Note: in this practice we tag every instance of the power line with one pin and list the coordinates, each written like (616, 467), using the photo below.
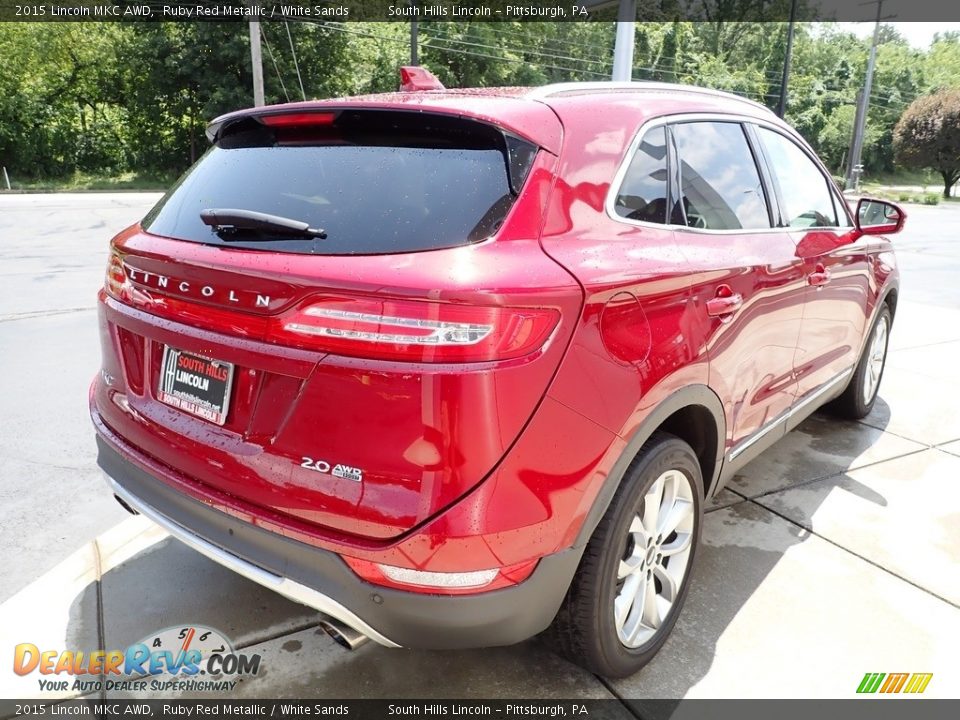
(515, 61)
(296, 63)
(340, 28)
(771, 75)
(562, 41)
(275, 66)
(537, 53)
(602, 66)
(552, 58)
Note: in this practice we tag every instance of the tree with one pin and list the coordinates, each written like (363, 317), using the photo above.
(928, 135)
(110, 98)
(834, 138)
(898, 78)
(943, 60)
(58, 109)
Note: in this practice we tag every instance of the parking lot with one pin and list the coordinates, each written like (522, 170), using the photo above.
(834, 554)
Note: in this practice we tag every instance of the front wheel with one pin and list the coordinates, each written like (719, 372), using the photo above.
(632, 579)
(858, 399)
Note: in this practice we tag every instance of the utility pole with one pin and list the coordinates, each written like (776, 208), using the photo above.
(256, 62)
(623, 45)
(414, 36)
(856, 144)
(782, 105)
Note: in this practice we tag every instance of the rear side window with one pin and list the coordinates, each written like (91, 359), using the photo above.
(643, 192)
(806, 197)
(719, 181)
(376, 182)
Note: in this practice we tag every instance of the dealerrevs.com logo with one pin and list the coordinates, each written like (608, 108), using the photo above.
(192, 658)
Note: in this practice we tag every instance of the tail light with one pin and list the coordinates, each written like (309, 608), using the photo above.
(416, 331)
(441, 583)
(289, 119)
(405, 330)
(116, 282)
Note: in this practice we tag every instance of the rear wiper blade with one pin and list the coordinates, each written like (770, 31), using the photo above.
(228, 222)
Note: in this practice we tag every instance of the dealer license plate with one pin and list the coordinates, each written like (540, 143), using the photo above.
(195, 384)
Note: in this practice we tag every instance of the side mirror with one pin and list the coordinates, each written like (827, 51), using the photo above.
(879, 217)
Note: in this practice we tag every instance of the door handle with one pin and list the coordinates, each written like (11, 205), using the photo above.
(725, 303)
(819, 277)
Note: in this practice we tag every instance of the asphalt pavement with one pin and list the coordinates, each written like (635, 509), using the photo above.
(832, 555)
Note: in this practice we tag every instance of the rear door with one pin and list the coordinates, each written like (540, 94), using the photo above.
(834, 266)
(747, 281)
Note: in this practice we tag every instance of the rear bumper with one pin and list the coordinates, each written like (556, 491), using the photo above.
(321, 580)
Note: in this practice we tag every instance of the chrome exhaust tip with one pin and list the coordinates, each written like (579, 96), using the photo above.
(344, 635)
(125, 505)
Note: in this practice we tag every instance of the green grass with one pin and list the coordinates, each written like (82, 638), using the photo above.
(882, 192)
(926, 183)
(85, 182)
(906, 177)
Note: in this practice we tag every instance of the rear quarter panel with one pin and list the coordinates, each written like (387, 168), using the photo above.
(638, 341)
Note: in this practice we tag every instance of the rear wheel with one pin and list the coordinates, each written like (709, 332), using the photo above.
(632, 579)
(858, 399)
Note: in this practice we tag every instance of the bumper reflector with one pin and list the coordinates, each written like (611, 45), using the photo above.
(474, 579)
(441, 583)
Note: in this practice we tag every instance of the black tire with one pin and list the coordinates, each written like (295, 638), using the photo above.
(584, 630)
(852, 404)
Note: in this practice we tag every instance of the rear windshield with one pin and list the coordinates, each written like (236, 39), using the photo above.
(375, 182)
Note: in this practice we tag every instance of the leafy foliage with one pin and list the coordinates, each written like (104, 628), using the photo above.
(928, 135)
(64, 113)
(111, 98)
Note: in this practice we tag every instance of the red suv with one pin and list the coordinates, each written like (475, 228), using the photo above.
(457, 367)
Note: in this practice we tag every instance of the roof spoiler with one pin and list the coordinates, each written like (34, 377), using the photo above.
(414, 78)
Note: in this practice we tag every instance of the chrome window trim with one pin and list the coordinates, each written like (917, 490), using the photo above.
(609, 204)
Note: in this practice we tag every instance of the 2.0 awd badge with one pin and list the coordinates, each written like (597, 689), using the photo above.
(347, 472)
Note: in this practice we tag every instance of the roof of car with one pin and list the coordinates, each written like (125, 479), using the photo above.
(591, 89)
(527, 111)
(546, 93)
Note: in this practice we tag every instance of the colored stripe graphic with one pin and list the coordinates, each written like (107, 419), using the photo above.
(894, 683)
(918, 682)
(870, 682)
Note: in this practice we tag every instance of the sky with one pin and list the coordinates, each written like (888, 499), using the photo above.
(918, 34)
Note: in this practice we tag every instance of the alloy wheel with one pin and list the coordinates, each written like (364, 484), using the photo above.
(875, 360)
(654, 562)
